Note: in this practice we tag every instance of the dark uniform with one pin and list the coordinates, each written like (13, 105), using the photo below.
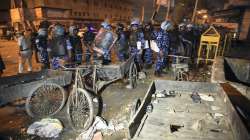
(149, 35)
(2, 66)
(88, 39)
(61, 47)
(76, 44)
(42, 48)
(136, 42)
(163, 42)
(122, 43)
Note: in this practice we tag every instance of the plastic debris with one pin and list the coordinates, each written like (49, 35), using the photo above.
(214, 108)
(98, 125)
(216, 115)
(48, 128)
(208, 98)
(165, 94)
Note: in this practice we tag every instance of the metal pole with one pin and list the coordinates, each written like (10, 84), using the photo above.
(195, 9)
(155, 12)
(143, 11)
(169, 7)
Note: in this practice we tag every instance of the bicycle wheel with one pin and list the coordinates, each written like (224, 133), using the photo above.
(133, 75)
(80, 109)
(45, 100)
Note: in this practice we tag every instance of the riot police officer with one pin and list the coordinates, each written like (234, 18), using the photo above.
(104, 41)
(88, 39)
(42, 47)
(76, 43)
(163, 41)
(60, 47)
(122, 43)
(136, 41)
(147, 52)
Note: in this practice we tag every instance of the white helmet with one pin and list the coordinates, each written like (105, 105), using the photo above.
(181, 26)
(42, 32)
(166, 25)
(190, 25)
(72, 29)
(106, 25)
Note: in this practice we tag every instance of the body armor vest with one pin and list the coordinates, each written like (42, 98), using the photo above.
(58, 46)
(76, 44)
(133, 39)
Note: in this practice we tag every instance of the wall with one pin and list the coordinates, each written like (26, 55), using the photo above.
(245, 25)
(79, 10)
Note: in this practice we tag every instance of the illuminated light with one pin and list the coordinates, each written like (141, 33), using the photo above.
(205, 16)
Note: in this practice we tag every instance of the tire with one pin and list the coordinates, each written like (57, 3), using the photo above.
(45, 100)
(133, 75)
(80, 116)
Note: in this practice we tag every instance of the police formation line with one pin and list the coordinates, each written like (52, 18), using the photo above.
(54, 47)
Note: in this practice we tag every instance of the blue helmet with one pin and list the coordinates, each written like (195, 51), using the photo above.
(42, 32)
(59, 30)
(166, 25)
(106, 25)
(90, 28)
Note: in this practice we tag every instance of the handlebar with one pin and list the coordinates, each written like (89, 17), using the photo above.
(74, 69)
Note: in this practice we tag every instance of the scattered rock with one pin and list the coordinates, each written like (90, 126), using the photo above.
(142, 75)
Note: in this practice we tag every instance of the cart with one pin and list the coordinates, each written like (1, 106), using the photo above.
(17, 87)
(88, 82)
(189, 110)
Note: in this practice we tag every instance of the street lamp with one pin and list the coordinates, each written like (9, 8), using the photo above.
(205, 16)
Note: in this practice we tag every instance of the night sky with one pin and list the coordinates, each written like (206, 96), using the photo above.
(207, 4)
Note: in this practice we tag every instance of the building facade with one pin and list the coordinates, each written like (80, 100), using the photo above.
(70, 11)
(237, 11)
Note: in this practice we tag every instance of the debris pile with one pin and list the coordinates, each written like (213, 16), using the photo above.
(46, 128)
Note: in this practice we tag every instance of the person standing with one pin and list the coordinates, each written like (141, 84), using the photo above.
(122, 43)
(76, 43)
(104, 42)
(42, 47)
(88, 39)
(136, 42)
(60, 50)
(147, 52)
(2, 66)
(25, 52)
(163, 41)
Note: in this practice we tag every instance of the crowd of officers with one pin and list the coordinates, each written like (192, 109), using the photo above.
(53, 46)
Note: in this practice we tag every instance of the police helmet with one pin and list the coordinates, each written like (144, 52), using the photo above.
(166, 25)
(72, 30)
(59, 30)
(42, 32)
(135, 22)
(190, 26)
(106, 25)
(181, 26)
